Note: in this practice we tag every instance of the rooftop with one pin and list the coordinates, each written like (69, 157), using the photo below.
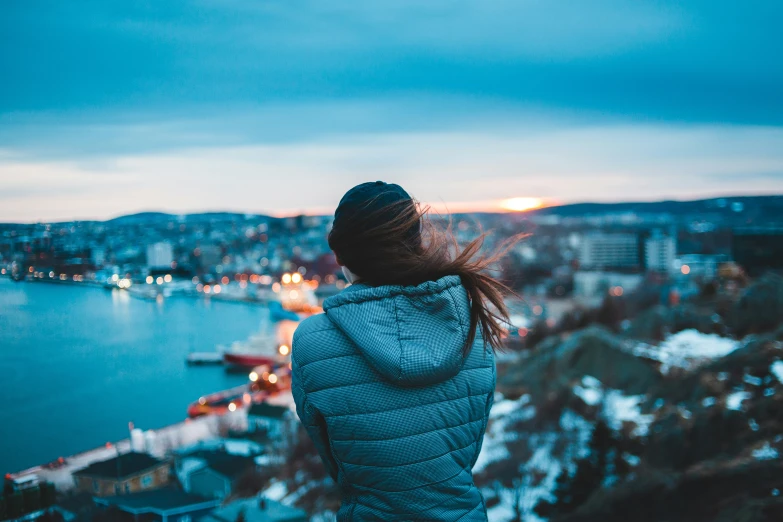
(121, 466)
(165, 500)
(228, 465)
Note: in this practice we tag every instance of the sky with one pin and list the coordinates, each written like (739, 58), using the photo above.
(109, 108)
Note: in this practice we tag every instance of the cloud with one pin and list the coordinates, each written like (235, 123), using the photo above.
(701, 61)
(596, 163)
(113, 107)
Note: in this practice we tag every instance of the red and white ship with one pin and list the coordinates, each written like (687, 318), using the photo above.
(272, 344)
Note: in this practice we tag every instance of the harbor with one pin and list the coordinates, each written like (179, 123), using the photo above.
(121, 360)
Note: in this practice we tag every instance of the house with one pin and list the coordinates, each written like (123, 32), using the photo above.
(275, 421)
(123, 474)
(163, 504)
(256, 509)
(213, 473)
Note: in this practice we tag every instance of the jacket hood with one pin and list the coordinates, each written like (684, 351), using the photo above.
(412, 335)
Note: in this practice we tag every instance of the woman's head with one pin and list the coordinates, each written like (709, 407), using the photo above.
(384, 237)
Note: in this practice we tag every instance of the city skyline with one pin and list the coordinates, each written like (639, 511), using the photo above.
(281, 108)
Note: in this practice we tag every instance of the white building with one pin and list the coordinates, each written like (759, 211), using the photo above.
(160, 255)
(659, 253)
(616, 250)
(598, 284)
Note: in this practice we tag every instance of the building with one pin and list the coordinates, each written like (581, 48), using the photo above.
(123, 474)
(659, 253)
(258, 509)
(163, 504)
(26, 496)
(213, 473)
(598, 284)
(209, 256)
(758, 249)
(606, 251)
(160, 255)
(698, 265)
(275, 421)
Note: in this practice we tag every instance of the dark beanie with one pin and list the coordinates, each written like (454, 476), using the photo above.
(365, 207)
(369, 205)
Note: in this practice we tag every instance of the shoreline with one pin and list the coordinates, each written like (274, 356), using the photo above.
(95, 284)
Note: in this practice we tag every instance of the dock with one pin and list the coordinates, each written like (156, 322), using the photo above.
(203, 358)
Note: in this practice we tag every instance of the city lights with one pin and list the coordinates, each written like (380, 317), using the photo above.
(253, 376)
(286, 279)
(284, 350)
(150, 280)
(296, 277)
(272, 378)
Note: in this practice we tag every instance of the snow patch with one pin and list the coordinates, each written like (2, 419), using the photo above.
(766, 452)
(777, 370)
(617, 408)
(734, 400)
(276, 491)
(621, 408)
(752, 380)
(503, 413)
(687, 349)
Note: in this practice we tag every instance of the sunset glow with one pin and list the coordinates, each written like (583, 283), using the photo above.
(522, 204)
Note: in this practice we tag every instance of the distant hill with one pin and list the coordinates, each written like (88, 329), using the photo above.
(765, 205)
(147, 217)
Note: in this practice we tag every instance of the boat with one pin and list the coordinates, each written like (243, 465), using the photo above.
(271, 345)
(263, 381)
(222, 402)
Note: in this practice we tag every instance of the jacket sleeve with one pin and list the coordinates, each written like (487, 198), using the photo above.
(312, 420)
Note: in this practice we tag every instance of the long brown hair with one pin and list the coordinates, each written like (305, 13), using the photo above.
(404, 246)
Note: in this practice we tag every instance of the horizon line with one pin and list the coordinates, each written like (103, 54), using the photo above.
(477, 207)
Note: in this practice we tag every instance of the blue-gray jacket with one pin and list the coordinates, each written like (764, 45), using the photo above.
(395, 410)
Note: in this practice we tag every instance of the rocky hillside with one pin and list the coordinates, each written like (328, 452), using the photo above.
(596, 427)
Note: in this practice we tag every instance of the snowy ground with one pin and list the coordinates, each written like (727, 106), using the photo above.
(687, 349)
(777, 370)
(616, 408)
(507, 412)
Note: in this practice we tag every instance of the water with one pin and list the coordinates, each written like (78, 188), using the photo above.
(78, 363)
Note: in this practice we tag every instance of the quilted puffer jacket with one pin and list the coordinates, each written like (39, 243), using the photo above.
(395, 410)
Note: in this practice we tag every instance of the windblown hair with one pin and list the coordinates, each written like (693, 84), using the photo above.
(409, 248)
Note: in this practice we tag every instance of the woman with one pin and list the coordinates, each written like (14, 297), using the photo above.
(394, 382)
